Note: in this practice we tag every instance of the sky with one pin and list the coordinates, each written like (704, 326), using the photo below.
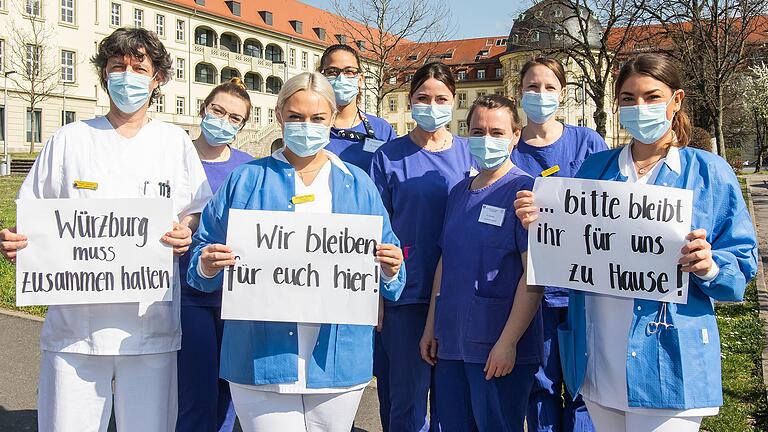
(494, 19)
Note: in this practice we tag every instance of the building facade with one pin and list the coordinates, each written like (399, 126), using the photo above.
(210, 41)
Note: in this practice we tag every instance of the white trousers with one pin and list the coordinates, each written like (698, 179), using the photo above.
(76, 391)
(262, 411)
(611, 420)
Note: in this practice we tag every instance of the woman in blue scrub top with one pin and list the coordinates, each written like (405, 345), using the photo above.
(414, 174)
(484, 330)
(647, 376)
(550, 148)
(286, 376)
(355, 135)
(204, 401)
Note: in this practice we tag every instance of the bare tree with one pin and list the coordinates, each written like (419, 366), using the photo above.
(590, 33)
(33, 55)
(713, 39)
(384, 30)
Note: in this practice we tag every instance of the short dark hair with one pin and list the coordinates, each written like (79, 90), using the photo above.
(332, 49)
(437, 70)
(130, 42)
(496, 102)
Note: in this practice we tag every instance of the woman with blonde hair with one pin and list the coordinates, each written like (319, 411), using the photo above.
(204, 400)
(296, 376)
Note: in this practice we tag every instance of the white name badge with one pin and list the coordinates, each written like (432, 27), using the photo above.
(371, 145)
(492, 215)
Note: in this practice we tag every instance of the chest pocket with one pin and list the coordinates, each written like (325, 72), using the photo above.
(574, 166)
(156, 188)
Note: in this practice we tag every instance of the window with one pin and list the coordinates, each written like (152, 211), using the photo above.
(253, 81)
(273, 53)
(138, 18)
(205, 73)
(33, 60)
(292, 57)
(179, 30)
(462, 98)
(271, 116)
(462, 75)
(67, 117)
(535, 36)
(392, 104)
(253, 48)
(67, 66)
(315, 61)
(33, 8)
(499, 72)
(2, 123)
(304, 60)
(499, 91)
(2, 55)
(580, 122)
(274, 84)
(180, 105)
(160, 103)
(160, 25)
(393, 80)
(409, 127)
(394, 127)
(199, 105)
(180, 68)
(36, 119)
(116, 12)
(481, 74)
(256, 116)
(558, 13)
(481, 93)
(68, 11)
(462, 127)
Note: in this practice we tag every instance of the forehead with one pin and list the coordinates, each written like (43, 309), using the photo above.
(231, 103)
(540, 73)
(433, 86)
(307, 101)
(639, 83)
(142, 58)
(491, 117)
(342, 59)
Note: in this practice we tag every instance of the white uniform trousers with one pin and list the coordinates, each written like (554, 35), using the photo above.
(76, 391)
(611, 420)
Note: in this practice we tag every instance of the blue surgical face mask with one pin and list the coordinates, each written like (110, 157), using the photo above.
(218, 131)
(129, 91)
(305, 139)
(646, 123)
(489, 152)
(431, 117)
(346, 89)
(540, 107)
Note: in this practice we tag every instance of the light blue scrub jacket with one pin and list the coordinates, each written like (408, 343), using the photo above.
(257, 352)
(677, 368)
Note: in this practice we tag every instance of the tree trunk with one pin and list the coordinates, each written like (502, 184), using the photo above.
(600, 117)
(32, 130)
(719, 137)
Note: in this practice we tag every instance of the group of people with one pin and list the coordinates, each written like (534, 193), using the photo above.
(463, 342)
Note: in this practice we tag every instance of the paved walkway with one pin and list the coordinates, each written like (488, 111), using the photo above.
(758, 190)
(20, 360)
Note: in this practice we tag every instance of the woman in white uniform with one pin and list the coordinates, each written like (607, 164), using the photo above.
(295, 376)
(94, 353)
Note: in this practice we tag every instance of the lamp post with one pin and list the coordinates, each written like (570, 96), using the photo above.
(5, 169)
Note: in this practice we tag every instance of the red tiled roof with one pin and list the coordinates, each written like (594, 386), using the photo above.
(283, 12)
(460, 52)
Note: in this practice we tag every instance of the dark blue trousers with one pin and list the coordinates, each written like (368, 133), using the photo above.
(467, 402)
(403, 378)
(204, 401)
(551, 407)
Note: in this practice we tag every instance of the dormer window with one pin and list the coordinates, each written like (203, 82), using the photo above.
(341, 38)
(234, 6)
(320, 32)
(266, 16)
(298, 27)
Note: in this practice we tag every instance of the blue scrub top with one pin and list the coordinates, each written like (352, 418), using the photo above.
(481, 269)
(414, 184)
(568, 152)
(353, 151)
(217, 173)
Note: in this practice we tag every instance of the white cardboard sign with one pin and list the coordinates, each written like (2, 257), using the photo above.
(302, 267)
(89, 251)
(620, 239)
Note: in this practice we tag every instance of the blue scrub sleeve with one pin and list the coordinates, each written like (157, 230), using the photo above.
(734, 246)
(392, 289)
(379, 176)
(212, 229)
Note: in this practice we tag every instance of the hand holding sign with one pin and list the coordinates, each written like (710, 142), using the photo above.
(390, 257)
(179, 238)
(697, 256)
(11, 243)
(525, 208)
(215, 257)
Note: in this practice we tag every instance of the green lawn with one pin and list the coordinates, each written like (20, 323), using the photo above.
(745, 409)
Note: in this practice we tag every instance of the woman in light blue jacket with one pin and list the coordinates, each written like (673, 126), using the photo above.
(296, 376)
(634, 373)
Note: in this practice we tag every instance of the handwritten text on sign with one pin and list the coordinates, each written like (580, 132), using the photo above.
(612, 238)
(94, 251)
(302, 267)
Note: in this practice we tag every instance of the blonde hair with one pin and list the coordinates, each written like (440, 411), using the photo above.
(307, 81)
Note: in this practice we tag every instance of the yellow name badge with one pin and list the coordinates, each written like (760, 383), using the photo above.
(301, 199)
(549, 171)
(79, 184)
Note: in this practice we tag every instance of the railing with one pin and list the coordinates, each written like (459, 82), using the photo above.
(242, 58)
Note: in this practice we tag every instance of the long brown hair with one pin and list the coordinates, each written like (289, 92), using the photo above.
(661, 68)
(437, 70)
(235, 87)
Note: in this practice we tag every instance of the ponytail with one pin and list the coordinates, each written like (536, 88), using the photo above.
(236, 87)
(681, 126)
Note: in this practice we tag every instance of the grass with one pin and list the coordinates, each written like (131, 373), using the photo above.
(24, 156)
(742, 340)
(9, 186)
